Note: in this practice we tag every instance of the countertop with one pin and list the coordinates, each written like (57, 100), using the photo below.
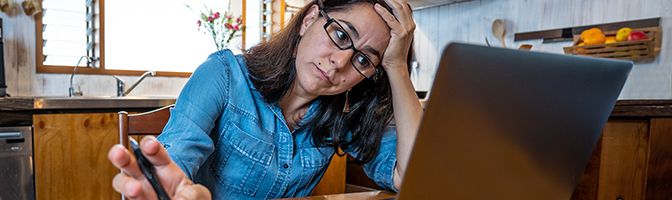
(623, 108)
(18, 111)
(643, 108)
(636, 108)
(69, 103)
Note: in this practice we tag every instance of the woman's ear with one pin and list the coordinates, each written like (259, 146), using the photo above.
(312, 16)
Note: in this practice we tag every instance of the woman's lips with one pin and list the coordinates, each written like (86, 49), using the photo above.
(323, 75)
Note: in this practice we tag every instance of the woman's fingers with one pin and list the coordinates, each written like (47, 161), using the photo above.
(402, 10)
(193, 192)
(121, 158)
(154, 152)
(133, 184)
(388, 17)
(401, 24)
(126, 185)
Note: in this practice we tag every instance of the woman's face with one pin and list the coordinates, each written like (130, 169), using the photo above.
(324, 69)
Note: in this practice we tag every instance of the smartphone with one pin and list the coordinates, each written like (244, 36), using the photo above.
(148, 170)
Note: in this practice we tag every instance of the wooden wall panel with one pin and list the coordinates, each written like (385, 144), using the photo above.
(623, 161)
(659, 175)
(71, 155)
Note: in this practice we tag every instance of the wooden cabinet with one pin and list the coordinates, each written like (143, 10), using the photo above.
(71, 158)
(633, 161)
(71, 155)
(634, 157)
(622, 171)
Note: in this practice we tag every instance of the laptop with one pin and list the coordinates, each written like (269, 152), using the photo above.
(510, 124)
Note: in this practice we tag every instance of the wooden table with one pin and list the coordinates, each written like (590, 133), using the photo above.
(351, 196)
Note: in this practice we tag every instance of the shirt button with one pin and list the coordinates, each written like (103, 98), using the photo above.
(285, 166)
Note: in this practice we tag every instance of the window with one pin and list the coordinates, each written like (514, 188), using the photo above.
(66, 31)
(125, 37)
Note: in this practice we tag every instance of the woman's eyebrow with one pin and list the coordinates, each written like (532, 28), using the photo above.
(372, 51)
(352, 28)
(355, 34)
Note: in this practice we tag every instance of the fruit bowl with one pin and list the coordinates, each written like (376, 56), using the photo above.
(635, 50)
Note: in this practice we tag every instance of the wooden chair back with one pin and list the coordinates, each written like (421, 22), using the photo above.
(141, 124)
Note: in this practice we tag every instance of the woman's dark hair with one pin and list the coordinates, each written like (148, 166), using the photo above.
(272, 71)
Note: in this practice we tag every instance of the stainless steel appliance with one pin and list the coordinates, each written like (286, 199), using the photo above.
(3, 86)
(16, 163)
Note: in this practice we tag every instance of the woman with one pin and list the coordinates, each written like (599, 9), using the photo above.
(266, 124)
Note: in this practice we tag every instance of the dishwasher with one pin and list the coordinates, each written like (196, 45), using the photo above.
(16, 163)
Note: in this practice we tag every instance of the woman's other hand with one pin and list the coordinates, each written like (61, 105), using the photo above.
(402, 27)
(131, 183)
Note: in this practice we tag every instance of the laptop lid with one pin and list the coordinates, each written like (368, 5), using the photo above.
(510, 124)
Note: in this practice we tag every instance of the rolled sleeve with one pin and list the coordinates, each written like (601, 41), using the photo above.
(381, 168)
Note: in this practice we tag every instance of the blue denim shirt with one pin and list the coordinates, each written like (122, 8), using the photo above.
(224, 136)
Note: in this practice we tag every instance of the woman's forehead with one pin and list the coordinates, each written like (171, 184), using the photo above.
(368, 24)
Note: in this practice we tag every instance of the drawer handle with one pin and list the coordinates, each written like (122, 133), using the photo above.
(10, 135)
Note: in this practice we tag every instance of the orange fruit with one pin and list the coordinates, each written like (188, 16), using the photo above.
(589, 32)
(610, 39)
(594, 38)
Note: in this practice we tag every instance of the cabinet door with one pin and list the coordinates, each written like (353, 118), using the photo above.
(659, 171)
(623, 160)
(71, 155)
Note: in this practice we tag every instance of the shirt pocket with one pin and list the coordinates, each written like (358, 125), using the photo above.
(314, 162)
(243, 160)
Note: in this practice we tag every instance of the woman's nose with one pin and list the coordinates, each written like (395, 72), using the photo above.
(341, 58)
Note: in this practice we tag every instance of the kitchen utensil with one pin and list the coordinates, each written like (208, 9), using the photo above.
(499, 30)
(525, 47)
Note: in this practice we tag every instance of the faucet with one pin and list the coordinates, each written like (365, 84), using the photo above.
(121, 84)
(89, 63)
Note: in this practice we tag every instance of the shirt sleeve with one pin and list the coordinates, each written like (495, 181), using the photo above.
(186, 136)
(381, 168)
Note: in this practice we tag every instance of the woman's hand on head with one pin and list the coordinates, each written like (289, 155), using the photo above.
(402, 27)
(131, 183)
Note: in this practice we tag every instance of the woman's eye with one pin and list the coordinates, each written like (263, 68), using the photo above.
(341, 35)
(362, 61)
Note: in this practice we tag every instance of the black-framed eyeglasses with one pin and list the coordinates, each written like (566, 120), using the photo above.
(343, 41)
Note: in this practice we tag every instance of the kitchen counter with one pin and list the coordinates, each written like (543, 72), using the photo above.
(642, 108)
(633, 108)
(16, 111)
(65, 103)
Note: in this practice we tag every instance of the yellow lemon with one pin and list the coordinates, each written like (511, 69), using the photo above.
(622, 34)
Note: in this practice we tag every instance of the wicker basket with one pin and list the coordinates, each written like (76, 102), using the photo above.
(626, 50)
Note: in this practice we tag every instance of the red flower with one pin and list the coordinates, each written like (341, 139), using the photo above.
(216, 15)
(210, 19)
(239, 20)
(235, 27)
(228, 26)
(199, 23)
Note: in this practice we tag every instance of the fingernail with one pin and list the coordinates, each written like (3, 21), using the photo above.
(146, 143)
(377, 6)
(118, 146)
